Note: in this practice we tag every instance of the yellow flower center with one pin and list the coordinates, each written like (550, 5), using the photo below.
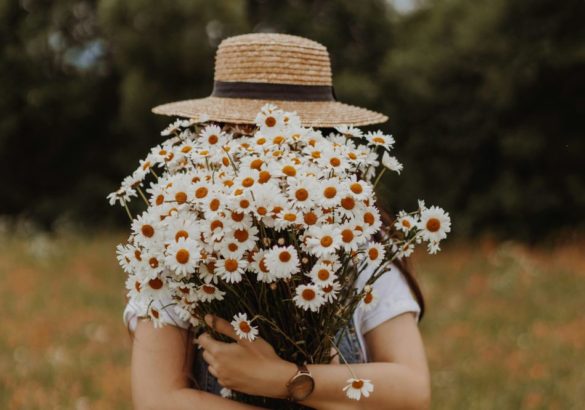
(182, 256)
(433, 225)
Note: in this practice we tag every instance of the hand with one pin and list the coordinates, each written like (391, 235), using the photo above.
(248, 367)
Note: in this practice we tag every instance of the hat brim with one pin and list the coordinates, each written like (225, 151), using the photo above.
(244, 111)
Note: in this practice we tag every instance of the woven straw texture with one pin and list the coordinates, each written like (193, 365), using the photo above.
(278, 59)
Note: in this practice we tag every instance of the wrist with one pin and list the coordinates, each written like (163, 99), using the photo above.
(279, 377)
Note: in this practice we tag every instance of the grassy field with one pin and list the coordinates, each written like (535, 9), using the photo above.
(504, 329)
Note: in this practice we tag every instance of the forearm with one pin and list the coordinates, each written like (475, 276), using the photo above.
(191, 399)
(396, 386)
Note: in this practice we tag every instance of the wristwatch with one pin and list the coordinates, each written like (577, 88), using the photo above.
(301, 385)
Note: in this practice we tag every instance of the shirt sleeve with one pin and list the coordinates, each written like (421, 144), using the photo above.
(135, 310)
(394, 298)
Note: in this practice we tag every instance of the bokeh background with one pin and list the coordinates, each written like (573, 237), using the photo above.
(485, 100)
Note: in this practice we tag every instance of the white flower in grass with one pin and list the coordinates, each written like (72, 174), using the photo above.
(230, 269)
(434, 224)
(349, 131)
(282, 261)
(183, 256)
(309, 297)
(243, 327)
(369, 299)
(358, 387)
(391, 163)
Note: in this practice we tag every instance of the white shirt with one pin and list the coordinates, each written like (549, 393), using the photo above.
(392, 290)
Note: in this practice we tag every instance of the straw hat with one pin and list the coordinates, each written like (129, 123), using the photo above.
(290, 71)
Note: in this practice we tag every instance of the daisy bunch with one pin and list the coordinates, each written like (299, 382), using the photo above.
(263, 224)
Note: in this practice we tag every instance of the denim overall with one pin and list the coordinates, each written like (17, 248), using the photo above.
(349, 346)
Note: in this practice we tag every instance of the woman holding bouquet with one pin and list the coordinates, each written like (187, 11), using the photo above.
(326, 285)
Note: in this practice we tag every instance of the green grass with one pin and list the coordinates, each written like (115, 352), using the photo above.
(504, 327)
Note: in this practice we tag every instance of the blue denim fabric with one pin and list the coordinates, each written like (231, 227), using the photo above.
(349, 346)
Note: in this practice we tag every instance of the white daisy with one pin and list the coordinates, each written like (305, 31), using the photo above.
(302, 192)
(209, 292)
(359, 189)
(350, 237)
(403, 250)
(212, 136)
(181, 225)
(244, 328)
(183, 256)
(287, 218)
(231, 269)
(330, 291)
(260, 267)
(323, 240)
(433, 247)
(349, 131)
(404, 222)
(282, 261)
(322, 274)
(370, 217)
(358, 387)
(391, 163)
(378, 138)
(330, 192)
(309, 297)
(434, 224)
(369, 298)
(147, 229)
(375, 254)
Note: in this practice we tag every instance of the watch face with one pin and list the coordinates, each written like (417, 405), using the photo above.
(301, 386)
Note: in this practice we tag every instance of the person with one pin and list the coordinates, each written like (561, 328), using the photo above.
(383, 343)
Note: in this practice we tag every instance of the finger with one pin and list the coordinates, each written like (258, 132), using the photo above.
(222, 326)
(211, 370)
(208, 357)
(209, 343)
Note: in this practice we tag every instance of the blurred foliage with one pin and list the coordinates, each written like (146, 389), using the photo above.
(504, 329)
(483, 98)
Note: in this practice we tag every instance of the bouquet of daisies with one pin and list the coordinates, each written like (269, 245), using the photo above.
(267, 226)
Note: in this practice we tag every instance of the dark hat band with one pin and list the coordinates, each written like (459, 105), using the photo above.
(272, 91)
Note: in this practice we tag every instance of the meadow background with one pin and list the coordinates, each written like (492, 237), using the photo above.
(485, 100)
